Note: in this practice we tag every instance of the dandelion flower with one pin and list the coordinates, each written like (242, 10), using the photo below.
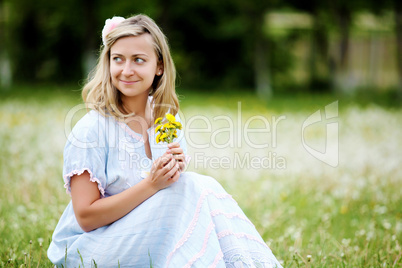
(158, 128)
(167, 131)
(158, 120)
(169, 126)
(163, 136)
(177, 124)
(158, 138)
(170, 118)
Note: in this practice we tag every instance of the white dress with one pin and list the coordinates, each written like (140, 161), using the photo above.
(192, 223)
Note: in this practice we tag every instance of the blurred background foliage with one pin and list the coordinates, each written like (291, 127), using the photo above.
(265, 46)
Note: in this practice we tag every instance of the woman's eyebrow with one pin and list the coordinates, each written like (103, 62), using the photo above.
(134, 55)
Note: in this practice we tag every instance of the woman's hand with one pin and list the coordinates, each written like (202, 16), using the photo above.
(165, 171)
(174, 148)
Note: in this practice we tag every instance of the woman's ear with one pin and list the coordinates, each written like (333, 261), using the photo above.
(159, 71)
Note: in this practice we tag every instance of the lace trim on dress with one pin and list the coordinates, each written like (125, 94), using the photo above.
(230, 215)
(194, 221)
(130, 132)
(134, 134)
(67, 179)
(240, 235)
(240, 258)
(221, 235)
(211, 227)
(218, 257)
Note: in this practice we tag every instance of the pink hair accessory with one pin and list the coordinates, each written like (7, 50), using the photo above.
(110, 24)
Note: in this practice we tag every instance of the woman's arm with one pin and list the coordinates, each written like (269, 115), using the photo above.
(93, 212)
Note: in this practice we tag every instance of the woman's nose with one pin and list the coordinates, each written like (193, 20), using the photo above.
(128, 69)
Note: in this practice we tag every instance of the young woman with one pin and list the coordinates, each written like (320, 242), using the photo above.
(132, 206)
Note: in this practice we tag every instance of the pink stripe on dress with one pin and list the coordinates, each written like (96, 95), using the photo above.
(240, 235)
(193, 223)
(211, 226)
(218, 257)
(230, 215)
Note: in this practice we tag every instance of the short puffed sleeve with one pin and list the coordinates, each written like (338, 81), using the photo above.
(86, 150)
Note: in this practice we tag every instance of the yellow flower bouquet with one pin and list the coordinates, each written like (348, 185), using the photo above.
(167, 132)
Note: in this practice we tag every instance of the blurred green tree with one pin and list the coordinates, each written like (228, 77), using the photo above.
(5, 62)
(221, 43)
(380, 7)
(398, 30)
(207, 48)
(320, 63)
(215, 44)
(45, 40)
(252, 14)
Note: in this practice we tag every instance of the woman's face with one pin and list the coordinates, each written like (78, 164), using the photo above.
(133, 65)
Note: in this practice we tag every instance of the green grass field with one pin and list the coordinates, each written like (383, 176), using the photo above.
(310, 213)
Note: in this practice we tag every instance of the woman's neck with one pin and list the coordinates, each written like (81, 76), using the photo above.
(137, 105)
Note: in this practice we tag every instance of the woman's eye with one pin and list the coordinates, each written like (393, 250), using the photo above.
(139, 60)
(117, 59)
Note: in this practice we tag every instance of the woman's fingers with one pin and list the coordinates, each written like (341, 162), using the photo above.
(173, 145)
(175, 177)
(164, 159)
(172, 171)
(176, 150)
(167, 168)
(179, 157)
(169, 165)
(182, 166)
(163, 172)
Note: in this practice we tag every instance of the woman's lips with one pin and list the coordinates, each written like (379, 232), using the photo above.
(128, 82)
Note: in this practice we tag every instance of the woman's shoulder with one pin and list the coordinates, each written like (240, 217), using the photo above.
(91, 124)
(92, 119)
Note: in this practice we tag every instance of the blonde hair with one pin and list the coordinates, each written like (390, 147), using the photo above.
(100, 94)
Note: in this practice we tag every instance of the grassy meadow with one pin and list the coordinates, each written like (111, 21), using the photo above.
(310, 213)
